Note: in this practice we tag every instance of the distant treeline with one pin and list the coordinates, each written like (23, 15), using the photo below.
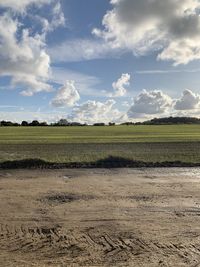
(166, 121)
(64, 122)
(61, 122)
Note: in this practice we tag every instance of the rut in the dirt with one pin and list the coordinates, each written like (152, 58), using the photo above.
(102, 247)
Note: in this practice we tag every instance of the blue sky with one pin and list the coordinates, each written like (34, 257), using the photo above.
(99, 60)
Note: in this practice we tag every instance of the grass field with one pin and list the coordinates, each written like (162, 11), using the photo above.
(86, 144)
(91, 134)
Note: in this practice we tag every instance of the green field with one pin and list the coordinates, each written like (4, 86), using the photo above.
(89, 143)
(98, 134)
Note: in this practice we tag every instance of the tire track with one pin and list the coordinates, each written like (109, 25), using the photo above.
(97, 247)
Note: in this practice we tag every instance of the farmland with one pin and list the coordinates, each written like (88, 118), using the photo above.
(89, 143)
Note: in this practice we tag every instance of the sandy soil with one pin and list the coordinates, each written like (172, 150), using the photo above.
(97, 217)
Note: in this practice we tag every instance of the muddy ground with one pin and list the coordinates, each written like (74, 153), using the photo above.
(100, 217)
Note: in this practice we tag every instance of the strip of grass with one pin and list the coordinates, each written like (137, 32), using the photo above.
(146, 152)
(91, 134)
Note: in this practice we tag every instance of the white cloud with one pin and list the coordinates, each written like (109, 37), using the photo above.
(169, 26)
(85, 83)
(119, 85)
(81, 49)
(147, 105)
(66, 96)
(94, 111)
(57, 20)
(182, 51)
(21, 5)
(150, 103)
(58, 16)
(168, 71)
(188, 101)
(23, 57)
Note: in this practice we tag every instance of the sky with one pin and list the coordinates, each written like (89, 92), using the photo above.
(99, 60)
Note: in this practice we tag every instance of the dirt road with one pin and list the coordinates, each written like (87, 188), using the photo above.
(98, 217)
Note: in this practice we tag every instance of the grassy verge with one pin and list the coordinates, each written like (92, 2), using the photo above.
(79, 153)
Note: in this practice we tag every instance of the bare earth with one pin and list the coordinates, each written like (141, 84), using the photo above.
(98, 217)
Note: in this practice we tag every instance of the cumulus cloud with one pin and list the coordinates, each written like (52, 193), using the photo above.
(188, 101)
(86, 84)
(66, 96)
(119, 85)
(94, 111)
(23, 57)
(150, 103)
(171, 27)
